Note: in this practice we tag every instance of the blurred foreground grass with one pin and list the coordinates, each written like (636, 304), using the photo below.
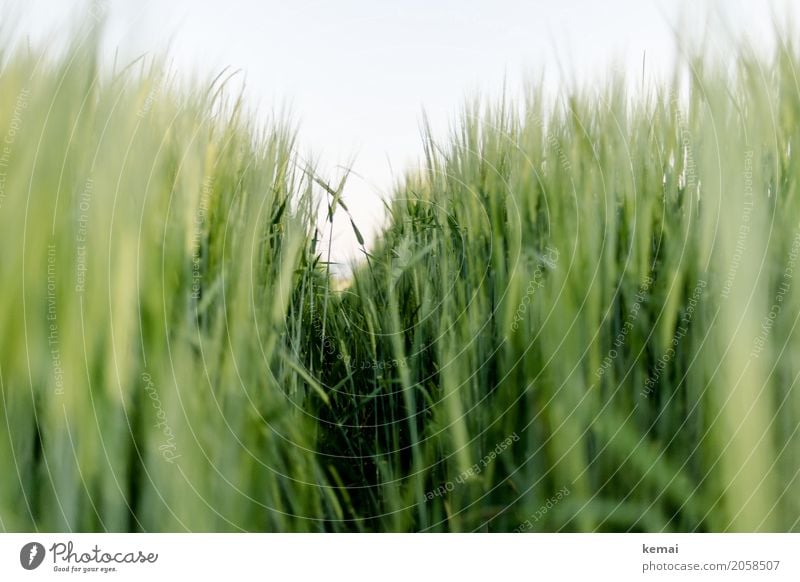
(582, 316)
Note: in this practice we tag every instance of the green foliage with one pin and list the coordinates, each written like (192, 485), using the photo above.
(590, 302)
(150, 264)
(596, 279)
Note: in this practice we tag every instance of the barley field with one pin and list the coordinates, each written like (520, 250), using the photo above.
(582, 315)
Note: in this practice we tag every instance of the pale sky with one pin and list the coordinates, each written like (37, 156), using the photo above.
(357, 74)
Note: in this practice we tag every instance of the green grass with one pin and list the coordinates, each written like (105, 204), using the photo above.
(581, 317)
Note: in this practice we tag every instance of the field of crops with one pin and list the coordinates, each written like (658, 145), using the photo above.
(581, 317)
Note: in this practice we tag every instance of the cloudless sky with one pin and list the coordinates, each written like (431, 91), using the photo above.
(357, 74)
